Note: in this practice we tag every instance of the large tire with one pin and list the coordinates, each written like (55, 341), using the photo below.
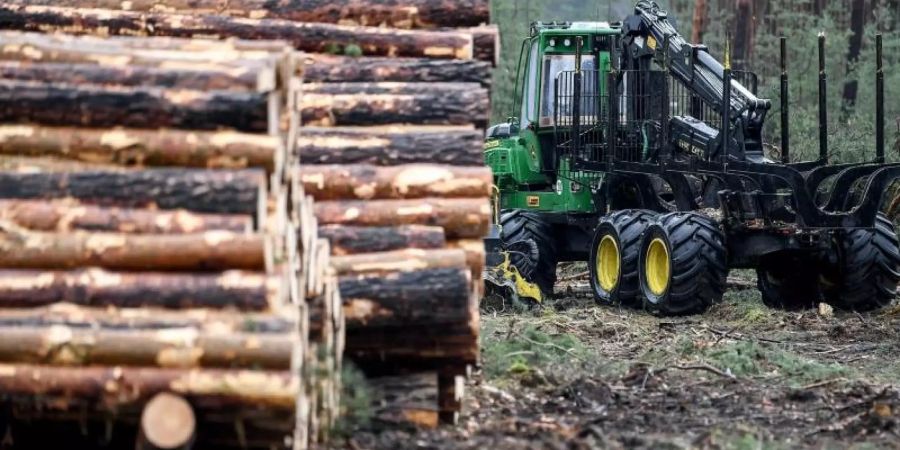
(538, 265)
(789, 282)
(683, 264)
(867, 271)
(620, 283)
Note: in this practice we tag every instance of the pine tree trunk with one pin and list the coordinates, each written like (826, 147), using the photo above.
(388, 146)
(350, 240)
(460, 218)
(365, 182)
(163, 147)
(343, 69)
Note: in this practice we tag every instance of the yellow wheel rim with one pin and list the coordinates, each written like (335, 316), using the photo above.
(608, 263)
(657, 268)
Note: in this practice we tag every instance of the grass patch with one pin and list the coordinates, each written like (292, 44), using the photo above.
(356, 402)
(511, 352)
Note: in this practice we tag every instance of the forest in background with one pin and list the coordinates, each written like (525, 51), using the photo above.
(754, 27)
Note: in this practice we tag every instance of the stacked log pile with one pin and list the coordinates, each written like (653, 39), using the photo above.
(165, 277)
(394, 101)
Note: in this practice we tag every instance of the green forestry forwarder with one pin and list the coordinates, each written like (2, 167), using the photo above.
(640, 153)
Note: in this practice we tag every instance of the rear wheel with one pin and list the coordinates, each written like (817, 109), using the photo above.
(529, 240)
(867, 271)
(614, 257)
(683, 264)
(789, 282)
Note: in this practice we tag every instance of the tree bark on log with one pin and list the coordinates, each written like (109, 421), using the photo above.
(342, 69)
(310, 37)
(486, 43)
(411, 348)
(246, 291)
(330, 104)
(350, 240)
(401, 299)
(148, 318)
(167, 423)
(214, 250)
(388, 146)
(475, 255)
(460, 218)
(59, 345)
(137, 147)
(407, 260)
(63, 216)
(93, 106)
(123, 386)
(206, 191)
(395, 13)
(365, 182)
(204, 79)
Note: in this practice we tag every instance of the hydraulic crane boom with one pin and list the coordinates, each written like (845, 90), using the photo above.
(648, 35)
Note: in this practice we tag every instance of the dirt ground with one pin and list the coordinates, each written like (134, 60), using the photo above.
(575, 375)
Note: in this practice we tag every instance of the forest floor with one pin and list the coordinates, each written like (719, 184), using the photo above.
(573, 375)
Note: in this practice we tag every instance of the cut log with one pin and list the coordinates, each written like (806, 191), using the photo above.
(401, 299)
(408, 260)
(147, 318)
(350, 240)
(246, 291)
(460, 218)
(136, 147)
(331, 104)
(396, 14)
(336, 69)
(232, 50)
(208, 191)
(475, 254)
(214, 250)
(389, 146)
(144, 107)
(202, 79)
(411, 348)
(310, 37)
(122, 386)
(167, 423)
(366, 182)
(486, 41)
(174, 347)
(63, 216)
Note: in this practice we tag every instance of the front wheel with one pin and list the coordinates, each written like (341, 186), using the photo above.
(532, 249)
(683, 264)
(614, 257)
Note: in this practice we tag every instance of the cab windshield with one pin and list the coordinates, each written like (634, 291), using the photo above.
(553, 66)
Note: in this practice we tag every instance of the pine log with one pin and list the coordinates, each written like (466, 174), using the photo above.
(61, 216)
(123, 386)
(247, 291)
(401, 299)
(330, 104)
(337, 69)
(138, 107)
(460, 218)
(395, 13)
(310, 37)
(475, 254)
(137, 147)
(213, 250)
(147, 318)
(350, 240)
(486, 42)
(411, 348)
(408, 260)
(387, 146)
(365, 182)
(236, 59)
(167, 423)
(174, 347)
(207, 191)
(203, 79)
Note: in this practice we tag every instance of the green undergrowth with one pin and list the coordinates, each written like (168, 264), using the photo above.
(750, 359)
(527, 352)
